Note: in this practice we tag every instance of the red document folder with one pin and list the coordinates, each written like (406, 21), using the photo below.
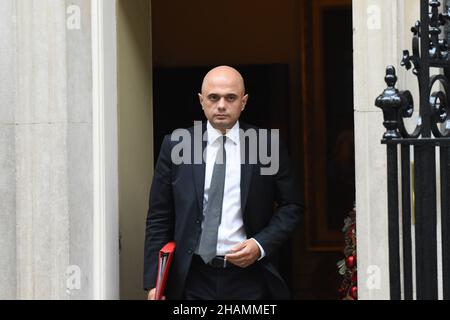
(164, 261)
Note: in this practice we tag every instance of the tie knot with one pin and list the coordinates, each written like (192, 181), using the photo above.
(222, 139)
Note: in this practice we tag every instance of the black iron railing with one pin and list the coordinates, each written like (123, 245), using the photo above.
(419, 205)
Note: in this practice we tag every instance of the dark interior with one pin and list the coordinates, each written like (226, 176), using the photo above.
(284, 59)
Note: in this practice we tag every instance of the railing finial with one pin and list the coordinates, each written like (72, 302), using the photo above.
(391, 102)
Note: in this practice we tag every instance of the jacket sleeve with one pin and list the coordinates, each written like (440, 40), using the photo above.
(160, 216)
(290, 207)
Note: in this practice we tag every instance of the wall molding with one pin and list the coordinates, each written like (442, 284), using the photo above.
(105, 150)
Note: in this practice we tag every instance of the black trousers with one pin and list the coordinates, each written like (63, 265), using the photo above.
(208, 283)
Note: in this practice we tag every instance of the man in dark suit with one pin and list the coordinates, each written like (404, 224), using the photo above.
(227, 218)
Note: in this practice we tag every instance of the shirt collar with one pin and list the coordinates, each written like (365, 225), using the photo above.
(232, 134)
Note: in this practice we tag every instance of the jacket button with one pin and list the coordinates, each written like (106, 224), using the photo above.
(190, 251)
(197, 221)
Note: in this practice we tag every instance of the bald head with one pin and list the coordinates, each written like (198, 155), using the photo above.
(223, 97)
(222, 75)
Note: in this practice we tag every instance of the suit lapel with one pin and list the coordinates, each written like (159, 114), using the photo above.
(246, 177)
(246, 172)
(199, 171)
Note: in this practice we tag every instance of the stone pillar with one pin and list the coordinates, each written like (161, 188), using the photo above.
(381, 32)
(46, 159)
(8, 281)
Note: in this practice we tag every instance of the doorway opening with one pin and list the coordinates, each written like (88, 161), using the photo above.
(296, 58)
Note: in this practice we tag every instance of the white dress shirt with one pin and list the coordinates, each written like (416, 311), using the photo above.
(231, 229)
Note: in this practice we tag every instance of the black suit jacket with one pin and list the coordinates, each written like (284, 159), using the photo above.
(271, 206)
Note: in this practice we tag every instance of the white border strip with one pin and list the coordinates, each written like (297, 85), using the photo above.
(105, 150)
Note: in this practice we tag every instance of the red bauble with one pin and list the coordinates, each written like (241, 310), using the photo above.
(350, 261)
(354, 292)
(350, 231)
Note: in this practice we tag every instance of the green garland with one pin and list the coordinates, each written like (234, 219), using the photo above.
(347, 266)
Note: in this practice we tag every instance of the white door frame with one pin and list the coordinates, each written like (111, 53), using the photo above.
(105, 150)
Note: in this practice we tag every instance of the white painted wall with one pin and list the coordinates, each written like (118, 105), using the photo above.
(46, 143)
(47, 166)
(381, 33)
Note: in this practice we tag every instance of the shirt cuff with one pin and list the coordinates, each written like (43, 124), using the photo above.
(263, 253)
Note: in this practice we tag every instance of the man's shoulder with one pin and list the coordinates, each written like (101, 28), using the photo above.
(179, 131)
(197, 126)
(250, 127)
(242, 125)
(246, 126)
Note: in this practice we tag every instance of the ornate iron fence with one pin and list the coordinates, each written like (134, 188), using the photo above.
(431, 137)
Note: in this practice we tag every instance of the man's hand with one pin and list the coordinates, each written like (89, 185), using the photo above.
(244, 254)
(152, 293)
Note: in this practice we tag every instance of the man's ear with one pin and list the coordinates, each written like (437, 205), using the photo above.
(200, 98)
(244, 100)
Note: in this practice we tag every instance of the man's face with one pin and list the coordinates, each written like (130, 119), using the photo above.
(223, 99)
